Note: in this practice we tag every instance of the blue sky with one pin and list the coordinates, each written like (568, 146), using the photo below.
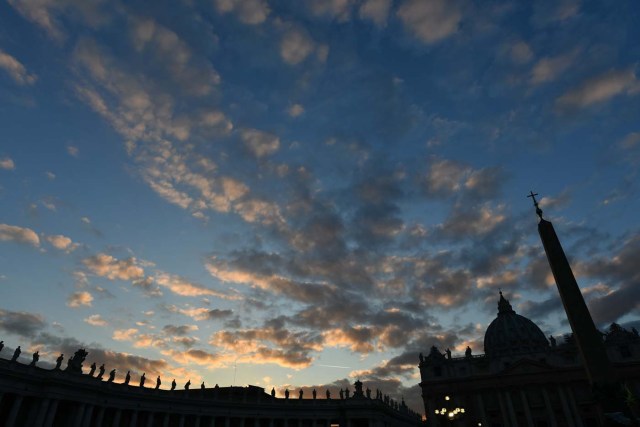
(296, 194)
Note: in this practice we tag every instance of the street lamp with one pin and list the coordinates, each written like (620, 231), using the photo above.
(450, 414)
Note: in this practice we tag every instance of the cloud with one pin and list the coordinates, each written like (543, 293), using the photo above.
(183, 330)
(296, 45)
(16, 70)
(248, 11)
(194, 74)
(295, 110)
(600, 89)
(61, 242)
(630, 141)
(269, 345)
(548, 12)
(430, 20)
(260, 143)
(335, 9)
(520, 52)
(472, 221)
(619, 271)
(13, 233)
(356, 338)
(205, 313)
(376, 11)
(124, 334)
(107, 266)
(47, 14)
(95, 320)
(78, 299)
(148, 286)
(446, 178)
(21, 323)
(550, 68)
(73, 150)
(181, 286)
(7, 163)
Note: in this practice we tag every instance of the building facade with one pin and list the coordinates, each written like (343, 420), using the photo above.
(523, 378)
(31, 396)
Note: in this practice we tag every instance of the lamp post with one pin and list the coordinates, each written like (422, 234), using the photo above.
(449, 413)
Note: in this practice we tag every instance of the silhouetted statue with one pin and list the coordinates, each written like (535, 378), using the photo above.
(101, 371)
(421, 357)
(273, 392)
(467, 352)
(16, 354)
(127, 378)
(1, 345)
(186, 386)
(34, 359)
(341, 394)
(173, 384)
(328, 394)
(93, 369)
(215, 387)
(202, 386)
(286, 393)
(368, 393)
(158, 382)
(142, 380)
(346, 393)
(448, 353)
(300, 394)
(633, 330)
(75, 363)
(553, 340)
(314, 393)
(112, 376)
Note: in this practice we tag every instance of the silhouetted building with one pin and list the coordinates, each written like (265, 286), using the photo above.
(522, 379)
(33, 396)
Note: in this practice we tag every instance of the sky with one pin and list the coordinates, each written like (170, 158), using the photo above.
(302, 193)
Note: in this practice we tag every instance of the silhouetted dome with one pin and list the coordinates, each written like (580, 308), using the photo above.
(511, 334)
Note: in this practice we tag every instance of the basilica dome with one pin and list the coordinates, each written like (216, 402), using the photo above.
(510, 334)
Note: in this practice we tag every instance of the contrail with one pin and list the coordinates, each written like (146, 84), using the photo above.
(335, 366)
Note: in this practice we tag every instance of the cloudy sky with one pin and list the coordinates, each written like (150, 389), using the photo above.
(299, 193)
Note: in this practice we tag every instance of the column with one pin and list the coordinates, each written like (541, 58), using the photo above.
(565, 408)
(547, 404)
(15, 409)
(116, 418)
(51, 413)
(527, 410)
(134, 419)
(227, 421)
(483, 415)
(270, 422)
(42, 411)
(574, 406)
(181, 422)
(165, 422)
(198, 420)
(88, 412)
(77, 422)
(150, 419)
(100, 416)
(512, 412)
(503, 409)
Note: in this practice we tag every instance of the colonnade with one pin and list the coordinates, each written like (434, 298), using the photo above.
(32, 411)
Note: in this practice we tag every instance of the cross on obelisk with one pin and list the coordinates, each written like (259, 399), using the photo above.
(535, 203)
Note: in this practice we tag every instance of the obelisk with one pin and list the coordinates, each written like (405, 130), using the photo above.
(589, 340)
